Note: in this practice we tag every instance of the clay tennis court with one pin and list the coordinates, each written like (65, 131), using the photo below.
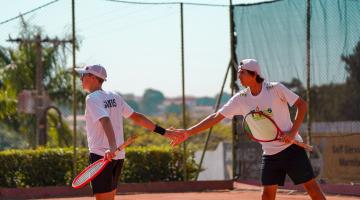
(240, 191)
(190, 190)
(215, 195)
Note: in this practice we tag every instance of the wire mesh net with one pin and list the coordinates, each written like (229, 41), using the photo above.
(275, 33)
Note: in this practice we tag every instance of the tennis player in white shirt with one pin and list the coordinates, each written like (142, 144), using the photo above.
(104, 115)
(279, 157)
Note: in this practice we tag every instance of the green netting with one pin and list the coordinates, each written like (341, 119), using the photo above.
(335, 31)
(275, 34)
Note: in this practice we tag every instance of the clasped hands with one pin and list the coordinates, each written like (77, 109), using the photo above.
(176, 136)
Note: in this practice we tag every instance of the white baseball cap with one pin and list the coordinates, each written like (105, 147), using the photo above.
(96, 70)
(251, 65)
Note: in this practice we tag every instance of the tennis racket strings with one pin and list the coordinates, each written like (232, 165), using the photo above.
(93, 169)
(260, 127)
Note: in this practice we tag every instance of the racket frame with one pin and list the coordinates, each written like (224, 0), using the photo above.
(93, 176)
(279, 133)
(121, 147)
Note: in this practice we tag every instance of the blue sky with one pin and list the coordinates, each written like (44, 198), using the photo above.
(139, 44)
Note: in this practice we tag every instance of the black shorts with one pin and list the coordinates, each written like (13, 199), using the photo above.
(108, 179)
(292, 161)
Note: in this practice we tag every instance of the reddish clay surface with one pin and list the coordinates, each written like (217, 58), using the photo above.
(241, 191)
(218, 195)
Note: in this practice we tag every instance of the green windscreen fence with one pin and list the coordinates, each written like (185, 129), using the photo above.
(275, 34)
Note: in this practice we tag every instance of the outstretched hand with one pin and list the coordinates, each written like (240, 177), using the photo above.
(176, 136)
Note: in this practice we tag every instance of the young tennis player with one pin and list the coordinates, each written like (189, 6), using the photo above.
(104, 114)
(279, 157)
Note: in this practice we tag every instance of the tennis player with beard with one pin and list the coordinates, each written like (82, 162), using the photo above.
(279, 157)
(104, 115)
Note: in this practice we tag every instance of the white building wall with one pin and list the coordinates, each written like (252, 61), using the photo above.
(213, 164)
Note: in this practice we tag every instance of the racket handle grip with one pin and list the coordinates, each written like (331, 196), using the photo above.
(303, 145)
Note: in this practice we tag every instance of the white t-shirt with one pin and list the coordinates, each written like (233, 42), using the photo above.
(101, 104)
(273, 100)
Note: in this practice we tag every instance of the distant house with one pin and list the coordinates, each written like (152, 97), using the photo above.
(189, 101)
(201, 111)
(195, 110)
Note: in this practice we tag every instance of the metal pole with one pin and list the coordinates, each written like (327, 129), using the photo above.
(233, 122)
(233, 60)
(74, 86)
(234, 87)
(308, 68)
(232, 67)
(210, 130)
(39, 91)
(183, 88)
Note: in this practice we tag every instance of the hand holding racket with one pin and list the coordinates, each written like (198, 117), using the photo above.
(90, 172)
(261, 128)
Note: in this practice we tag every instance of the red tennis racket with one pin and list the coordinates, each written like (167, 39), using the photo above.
(261, 128)
(90, 172)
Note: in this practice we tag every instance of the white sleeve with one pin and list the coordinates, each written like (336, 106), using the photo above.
(126, 110)
(96, 109)
(231, 108)
(286, 94)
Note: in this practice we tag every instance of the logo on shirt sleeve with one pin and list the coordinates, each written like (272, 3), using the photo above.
(110, 103)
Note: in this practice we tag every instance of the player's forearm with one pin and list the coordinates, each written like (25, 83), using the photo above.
(109, 132)
(300, 115)
(143, 121)
(206, 123)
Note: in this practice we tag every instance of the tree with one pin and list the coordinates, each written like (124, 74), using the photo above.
(173, 109)
(296, 86)
(327, 102)
(224, 98)
(131, 101)
(353, 81)
(151, 100)
(205, 101)
(221, 132)
(133, 104)
(17, 67)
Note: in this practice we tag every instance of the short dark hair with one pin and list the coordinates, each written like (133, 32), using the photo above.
(100, 80)
(258, 78)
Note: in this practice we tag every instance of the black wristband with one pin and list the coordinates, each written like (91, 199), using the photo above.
(159, 129)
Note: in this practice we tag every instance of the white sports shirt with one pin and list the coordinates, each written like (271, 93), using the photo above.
(101, 104)
(272, 100)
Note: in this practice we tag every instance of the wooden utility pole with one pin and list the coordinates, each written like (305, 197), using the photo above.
(40, 97)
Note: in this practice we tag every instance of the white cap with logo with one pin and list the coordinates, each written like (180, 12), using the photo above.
(96, 70)
(251, 65)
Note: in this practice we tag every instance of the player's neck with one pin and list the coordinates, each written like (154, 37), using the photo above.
(95, 88)
(255, 89)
